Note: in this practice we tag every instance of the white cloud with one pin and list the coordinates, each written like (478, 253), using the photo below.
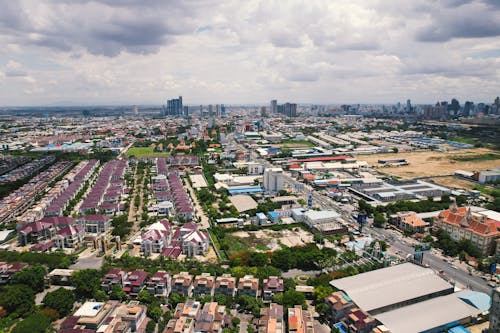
(209, 51)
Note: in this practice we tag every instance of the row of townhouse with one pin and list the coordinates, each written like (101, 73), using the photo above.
(57, 206)
(61, 232)
(25, 170)
(162, 283)
(108, 191)
(17, 202)
(172, 241)
(37, 211)
(167, 186)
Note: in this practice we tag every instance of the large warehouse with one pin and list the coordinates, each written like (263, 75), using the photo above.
(392, 287)
(392, 295)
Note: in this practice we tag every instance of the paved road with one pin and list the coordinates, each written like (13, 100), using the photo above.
(434, 261)
(205, 223)
(88, 260)
(398, 243)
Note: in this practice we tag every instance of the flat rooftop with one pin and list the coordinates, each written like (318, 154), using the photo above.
(392, 285)
(243, 202)
(89, 309)
(435, 312)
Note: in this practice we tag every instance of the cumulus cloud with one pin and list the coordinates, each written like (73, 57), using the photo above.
(213, 51)
(469, 20)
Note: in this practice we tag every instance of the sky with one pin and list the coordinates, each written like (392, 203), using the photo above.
(70, 52)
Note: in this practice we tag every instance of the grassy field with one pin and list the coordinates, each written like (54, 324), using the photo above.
(478, 157)
(141, 152)
(434, 163)
(297, 144)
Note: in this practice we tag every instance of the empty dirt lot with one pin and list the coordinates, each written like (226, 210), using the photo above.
(434, 163)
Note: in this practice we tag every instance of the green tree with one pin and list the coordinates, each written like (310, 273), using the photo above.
(151, 326)
(257, 259)
(321, 292)
(378, 220)
(18, 300)
(145, 297)
(34, 277)
(175, 299)
(292, 298)
(61, 300)
(35, 323)
(117, 293)
(86, 282)
(221, 299)
(282, 259)
(100, 296)
(154, 312)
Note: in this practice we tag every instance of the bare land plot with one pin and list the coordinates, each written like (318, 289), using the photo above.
(267, 240)
(434, 163)
(455, 183)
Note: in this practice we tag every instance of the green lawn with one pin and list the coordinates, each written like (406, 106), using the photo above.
(140, 152)
(295, 144)
(479, 157)
(237, 244)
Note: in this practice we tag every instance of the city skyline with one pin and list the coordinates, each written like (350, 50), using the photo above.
(323, 52)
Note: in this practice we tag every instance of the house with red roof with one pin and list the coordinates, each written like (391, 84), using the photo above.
(71, 236)
(36, 232)
(7, 271)
(115, 276)
(461, 224)
(159, 284)
(134, 282)
(272, 286)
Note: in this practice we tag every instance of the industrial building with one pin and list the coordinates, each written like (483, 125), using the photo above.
(407, 190)
(392, 295)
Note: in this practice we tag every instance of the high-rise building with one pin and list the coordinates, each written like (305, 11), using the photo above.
(174, 107)
(274, 106)
(185, 111)
(263, 112)
(408, 106)
(273, 179)
(210, 110)
(287, 109)
(495, 311)
(222, 110)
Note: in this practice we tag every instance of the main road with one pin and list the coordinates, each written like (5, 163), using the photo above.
(396, 241)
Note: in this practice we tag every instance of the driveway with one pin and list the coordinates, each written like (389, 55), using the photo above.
(88, 260)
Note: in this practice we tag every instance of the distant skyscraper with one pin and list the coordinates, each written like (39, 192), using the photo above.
(287, 109)
(274, 106)
(210, 110)
(408, 106)
(174, 107)
(468, 108)
(222, 110)
(263, 112)
(186, 111)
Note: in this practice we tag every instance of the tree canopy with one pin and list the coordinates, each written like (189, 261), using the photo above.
(34, 277)
(18, 300)
(86, 282)
(61, 300)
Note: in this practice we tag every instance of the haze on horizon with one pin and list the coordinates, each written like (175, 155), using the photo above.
(235, 52)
